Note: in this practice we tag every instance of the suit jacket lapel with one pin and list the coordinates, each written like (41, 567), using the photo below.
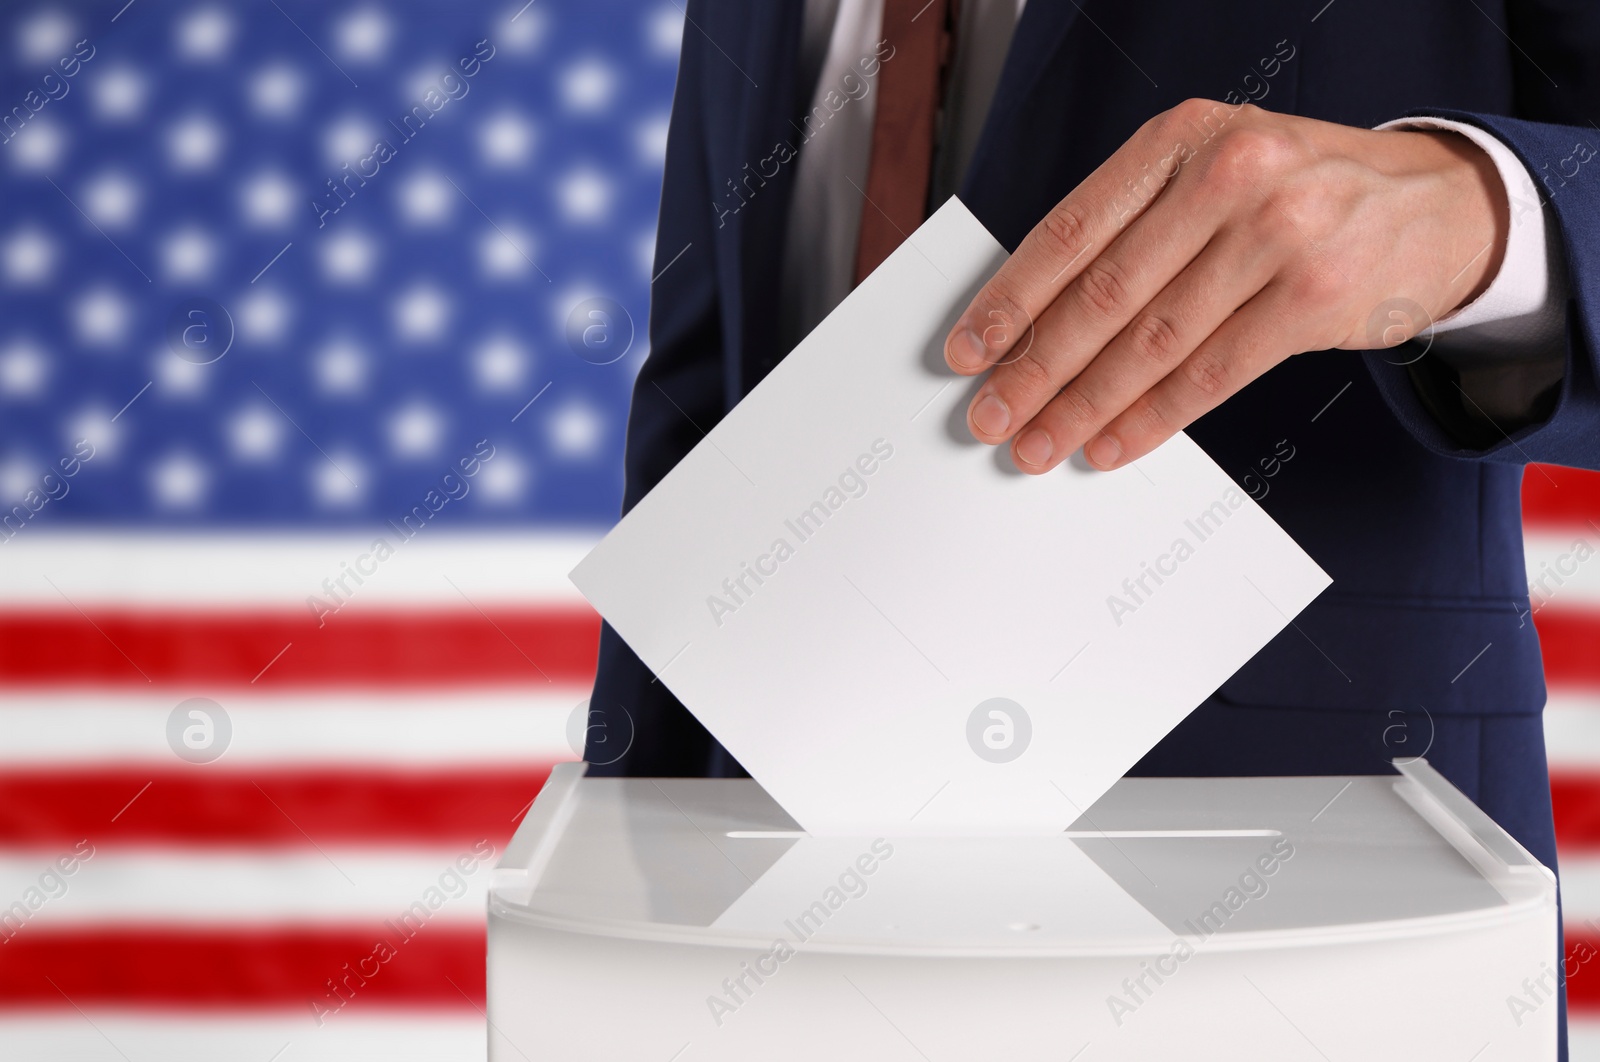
(749, 181)
(1039, 34)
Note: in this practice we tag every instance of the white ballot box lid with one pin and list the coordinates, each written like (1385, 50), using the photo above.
(717, 862)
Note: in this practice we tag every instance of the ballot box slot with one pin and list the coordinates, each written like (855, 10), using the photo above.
(755, 835)
(1237, 861)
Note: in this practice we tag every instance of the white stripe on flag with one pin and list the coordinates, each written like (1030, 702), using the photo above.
(1580, 894)
(1583, 1039)
(88, 728)
(1572, 729)
(334, 885)
(116, 1036)
(1559, 571)
(244, 571)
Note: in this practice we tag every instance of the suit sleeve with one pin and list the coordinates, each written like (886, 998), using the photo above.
(636, 726)
(1557, 89)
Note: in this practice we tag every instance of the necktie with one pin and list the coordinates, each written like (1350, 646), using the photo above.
(905, 125)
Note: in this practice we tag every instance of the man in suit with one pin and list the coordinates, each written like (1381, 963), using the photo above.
(1194, 193)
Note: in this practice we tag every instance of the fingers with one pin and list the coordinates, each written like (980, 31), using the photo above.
(1160, 336)
(1061, 246)
(1108, 293)
(1246, 345)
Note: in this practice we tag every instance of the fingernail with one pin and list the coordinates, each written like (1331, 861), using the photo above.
(990, 415)
(1034, 447)
(966, 350)
(1102, 451)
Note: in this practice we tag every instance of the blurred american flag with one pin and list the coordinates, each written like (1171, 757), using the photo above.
(216, 394)
(298, 871)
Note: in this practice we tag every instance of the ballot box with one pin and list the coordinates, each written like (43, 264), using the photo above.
(1366, 917)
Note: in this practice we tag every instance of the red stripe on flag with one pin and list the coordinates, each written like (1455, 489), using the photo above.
(1556, 496)
(393, 649)
(1583, 969)
(201, 805)
(243, 968)
(288, 649)
(276, 968)
(1570, 641)
(1575, 798)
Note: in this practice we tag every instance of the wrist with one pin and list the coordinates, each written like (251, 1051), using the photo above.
(1471, 198)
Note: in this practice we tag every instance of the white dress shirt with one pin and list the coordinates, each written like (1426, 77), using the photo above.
(1507, 343)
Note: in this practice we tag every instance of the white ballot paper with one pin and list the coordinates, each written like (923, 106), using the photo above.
(895, 631)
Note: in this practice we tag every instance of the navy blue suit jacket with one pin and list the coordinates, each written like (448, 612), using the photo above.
(1420, 531)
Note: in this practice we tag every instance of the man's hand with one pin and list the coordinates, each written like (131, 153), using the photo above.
(1214, 244)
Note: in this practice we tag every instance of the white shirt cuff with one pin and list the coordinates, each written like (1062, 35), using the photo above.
(1522, 312)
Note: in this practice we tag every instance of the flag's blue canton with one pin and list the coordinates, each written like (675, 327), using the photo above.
(185, 152)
